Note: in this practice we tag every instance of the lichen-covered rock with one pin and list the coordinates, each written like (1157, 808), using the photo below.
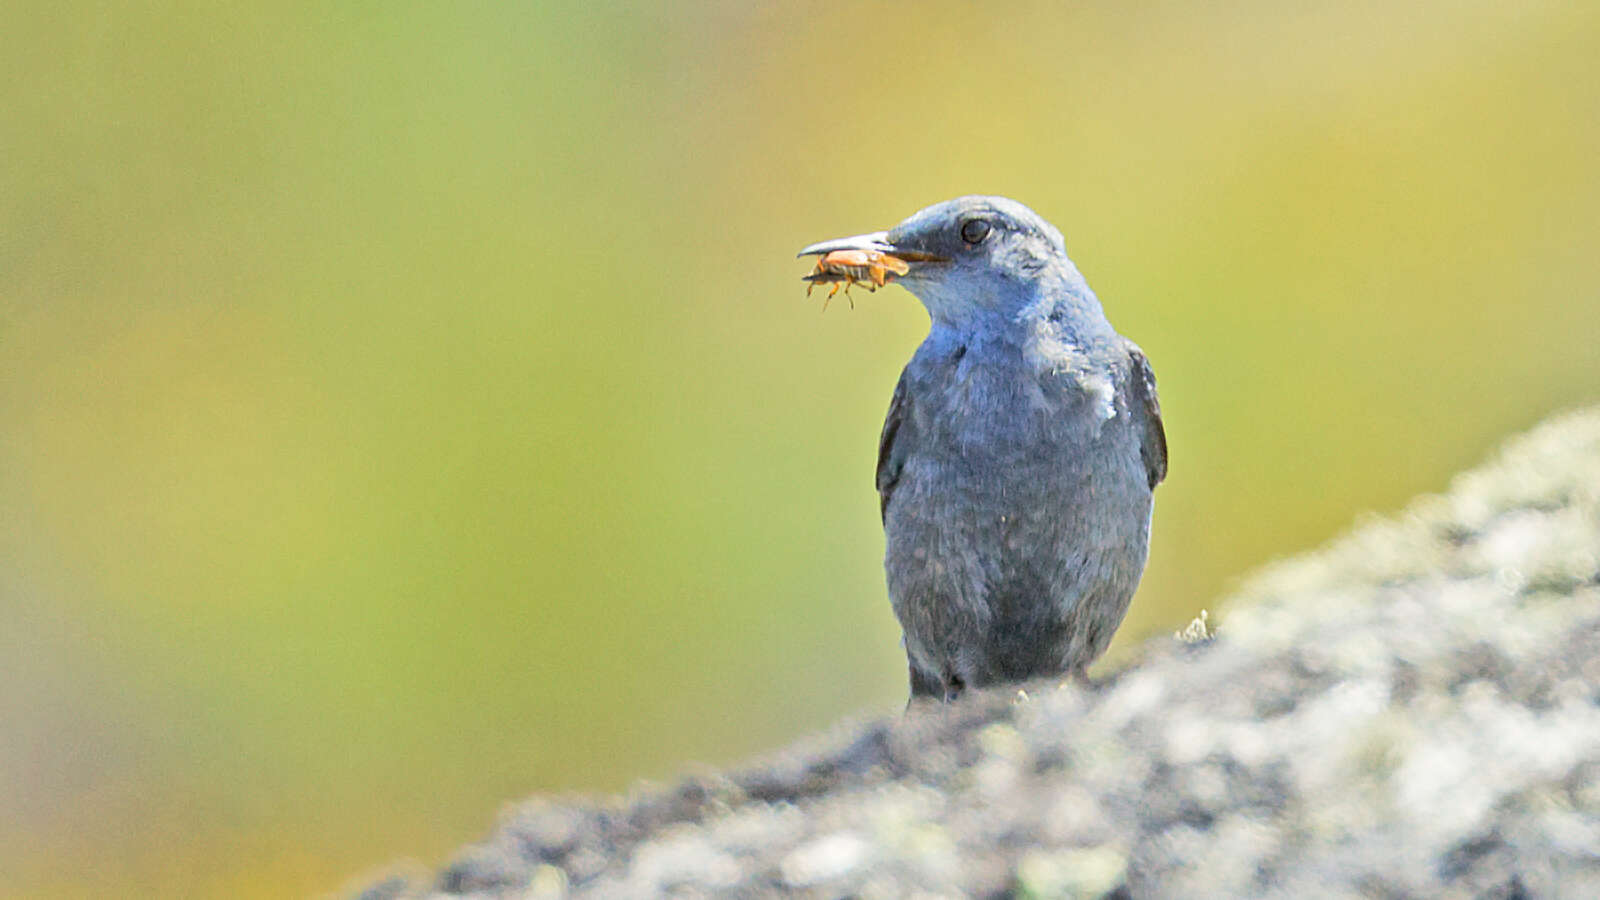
(1411, 711)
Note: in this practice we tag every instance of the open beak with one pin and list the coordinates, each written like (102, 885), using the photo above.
(876, 243)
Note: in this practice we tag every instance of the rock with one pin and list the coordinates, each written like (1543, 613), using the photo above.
(1413, 710)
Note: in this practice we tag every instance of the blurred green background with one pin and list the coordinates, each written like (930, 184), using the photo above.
(405, 408)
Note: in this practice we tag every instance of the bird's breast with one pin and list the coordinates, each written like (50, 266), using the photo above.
(1013, 402)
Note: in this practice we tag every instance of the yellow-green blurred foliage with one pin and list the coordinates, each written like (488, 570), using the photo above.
(409, 407)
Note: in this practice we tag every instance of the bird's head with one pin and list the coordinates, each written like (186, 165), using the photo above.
(972, 257)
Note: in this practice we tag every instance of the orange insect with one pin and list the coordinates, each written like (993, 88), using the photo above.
(847, 267)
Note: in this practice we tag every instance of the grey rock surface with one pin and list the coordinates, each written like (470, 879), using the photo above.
(1411, 711)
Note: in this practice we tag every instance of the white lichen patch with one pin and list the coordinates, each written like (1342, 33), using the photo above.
(824, 859)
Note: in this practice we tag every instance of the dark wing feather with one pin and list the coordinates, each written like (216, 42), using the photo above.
(1153, 447)
(893, 446)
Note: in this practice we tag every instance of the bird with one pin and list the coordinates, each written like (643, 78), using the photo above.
(1019, 459)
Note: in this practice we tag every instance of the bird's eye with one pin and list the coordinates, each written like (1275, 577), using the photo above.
(973, 231)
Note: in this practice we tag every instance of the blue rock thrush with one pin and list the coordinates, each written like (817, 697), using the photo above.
(1020, 455)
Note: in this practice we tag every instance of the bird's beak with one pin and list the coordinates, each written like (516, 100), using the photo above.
(876, 243)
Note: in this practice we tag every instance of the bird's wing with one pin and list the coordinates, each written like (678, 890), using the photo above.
(1153, 447)
(894, 445)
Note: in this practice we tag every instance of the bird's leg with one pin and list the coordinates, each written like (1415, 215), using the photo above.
(1080, 677)
(924, 687)
(953, 686)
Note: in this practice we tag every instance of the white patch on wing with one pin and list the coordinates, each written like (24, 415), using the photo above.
(1058, 358)
(1101, 388)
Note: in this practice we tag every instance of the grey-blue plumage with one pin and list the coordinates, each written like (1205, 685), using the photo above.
(1020, 454)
